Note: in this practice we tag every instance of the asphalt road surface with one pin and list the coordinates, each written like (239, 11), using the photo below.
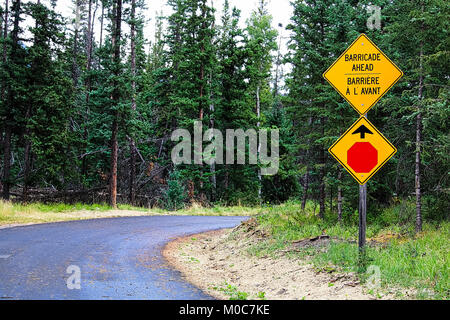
(117, 258)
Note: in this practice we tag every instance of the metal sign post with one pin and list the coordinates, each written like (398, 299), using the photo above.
(362, 215)
(362, 225)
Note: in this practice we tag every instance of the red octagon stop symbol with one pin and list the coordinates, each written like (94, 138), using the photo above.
(362, 157)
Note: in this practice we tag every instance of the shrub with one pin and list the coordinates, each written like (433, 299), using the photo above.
(175, 194)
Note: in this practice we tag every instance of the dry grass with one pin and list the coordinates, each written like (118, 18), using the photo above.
(16, 214)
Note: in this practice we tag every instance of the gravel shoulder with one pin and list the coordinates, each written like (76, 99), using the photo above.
(214, 260)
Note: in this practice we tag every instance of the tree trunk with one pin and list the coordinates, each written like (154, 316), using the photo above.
(322, 174)
(90, 33)
(213, 165)
(27, 170)
(212, 123)
(305, 188)
(278, 65)
(417, 174)
(419, 145)
(115, 97)
(101, 25)
(27, 134)
(322, 150)
(6, 162)
(27, 158)
(331, 198)
(202, 93)
(8, 129)
(114, 155)
(132, 192)
(75, 45)
(5, 35)
(226, 181)
(1, 24)
(258, 125)
(306, 176)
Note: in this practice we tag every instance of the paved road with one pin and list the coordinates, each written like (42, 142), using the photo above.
(118, 258)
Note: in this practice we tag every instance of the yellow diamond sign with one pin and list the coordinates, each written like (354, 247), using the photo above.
(362, 150)
(363, 74)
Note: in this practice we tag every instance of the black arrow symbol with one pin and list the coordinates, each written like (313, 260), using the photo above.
(363, 130)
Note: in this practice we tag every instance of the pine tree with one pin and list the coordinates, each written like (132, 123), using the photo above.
(108, 107)
(132, 193)
(47, 140)
(419, 33)
(136, 127)
(261, 43)
(3, 46)
(115, 97)
(87, 81)
(15, 71)
(232, 110)
(191, 57)
(321, 30)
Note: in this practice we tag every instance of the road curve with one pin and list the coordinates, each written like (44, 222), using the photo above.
(118, 258)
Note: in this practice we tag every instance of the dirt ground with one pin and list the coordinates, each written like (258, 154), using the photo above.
(217, 259)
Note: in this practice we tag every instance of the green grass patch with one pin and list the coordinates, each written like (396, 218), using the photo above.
(420, 262)
(194, 260)
(53, 207)
(17, 213)
(232, 292)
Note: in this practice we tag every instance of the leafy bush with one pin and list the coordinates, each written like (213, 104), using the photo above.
(402, 214)
(175, 194)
